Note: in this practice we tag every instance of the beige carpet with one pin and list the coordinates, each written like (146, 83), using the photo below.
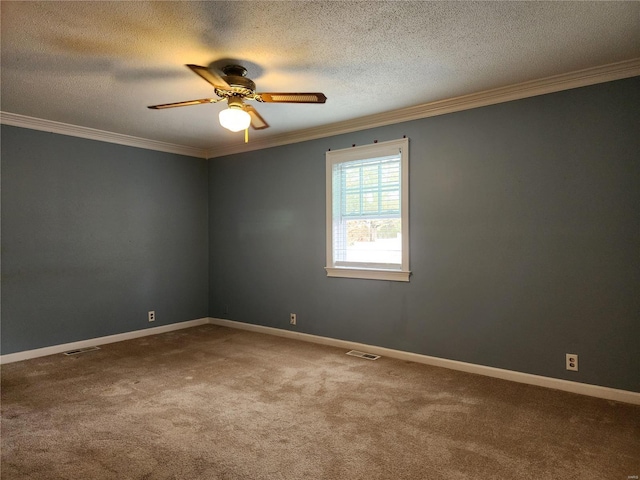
(215, 403)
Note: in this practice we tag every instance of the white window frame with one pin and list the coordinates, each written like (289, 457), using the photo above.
(375, 150)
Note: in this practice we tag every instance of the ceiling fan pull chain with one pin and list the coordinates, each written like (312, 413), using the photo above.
(246, 135)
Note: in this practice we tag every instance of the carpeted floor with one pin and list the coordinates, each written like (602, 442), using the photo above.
(216, 403)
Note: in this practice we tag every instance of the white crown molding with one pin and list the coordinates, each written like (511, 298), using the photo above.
(556, 83)
(510, 375)
(24, 121)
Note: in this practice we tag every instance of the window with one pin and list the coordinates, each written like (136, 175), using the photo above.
(367, 211)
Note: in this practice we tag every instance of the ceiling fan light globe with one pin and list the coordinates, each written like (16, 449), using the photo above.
(234, 119)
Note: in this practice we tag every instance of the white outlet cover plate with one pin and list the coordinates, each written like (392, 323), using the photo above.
(572, 362)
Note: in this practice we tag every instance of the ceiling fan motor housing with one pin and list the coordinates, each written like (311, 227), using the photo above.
(235, 76)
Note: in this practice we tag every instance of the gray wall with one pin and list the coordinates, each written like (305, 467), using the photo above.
(525, 238)
(524, 229)
(94, 235)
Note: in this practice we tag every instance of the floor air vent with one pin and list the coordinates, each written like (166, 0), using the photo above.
(368, 356)
(81, 350)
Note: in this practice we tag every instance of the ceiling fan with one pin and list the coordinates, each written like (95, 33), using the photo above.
(235, 88)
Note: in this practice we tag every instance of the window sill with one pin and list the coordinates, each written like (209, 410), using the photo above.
(368, 274)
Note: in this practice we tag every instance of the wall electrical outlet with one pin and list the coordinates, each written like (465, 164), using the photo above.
(572, 362)
(293, 319)
(152, 316)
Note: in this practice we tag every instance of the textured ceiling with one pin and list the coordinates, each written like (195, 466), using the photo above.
(99, 64)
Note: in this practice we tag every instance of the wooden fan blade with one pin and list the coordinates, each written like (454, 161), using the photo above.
(211, 77)
(185, 104)
(292, 97)
(257, 122)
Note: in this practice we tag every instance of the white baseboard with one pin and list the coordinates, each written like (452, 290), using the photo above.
(55, 349)
(540, 381)
(548, 382)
